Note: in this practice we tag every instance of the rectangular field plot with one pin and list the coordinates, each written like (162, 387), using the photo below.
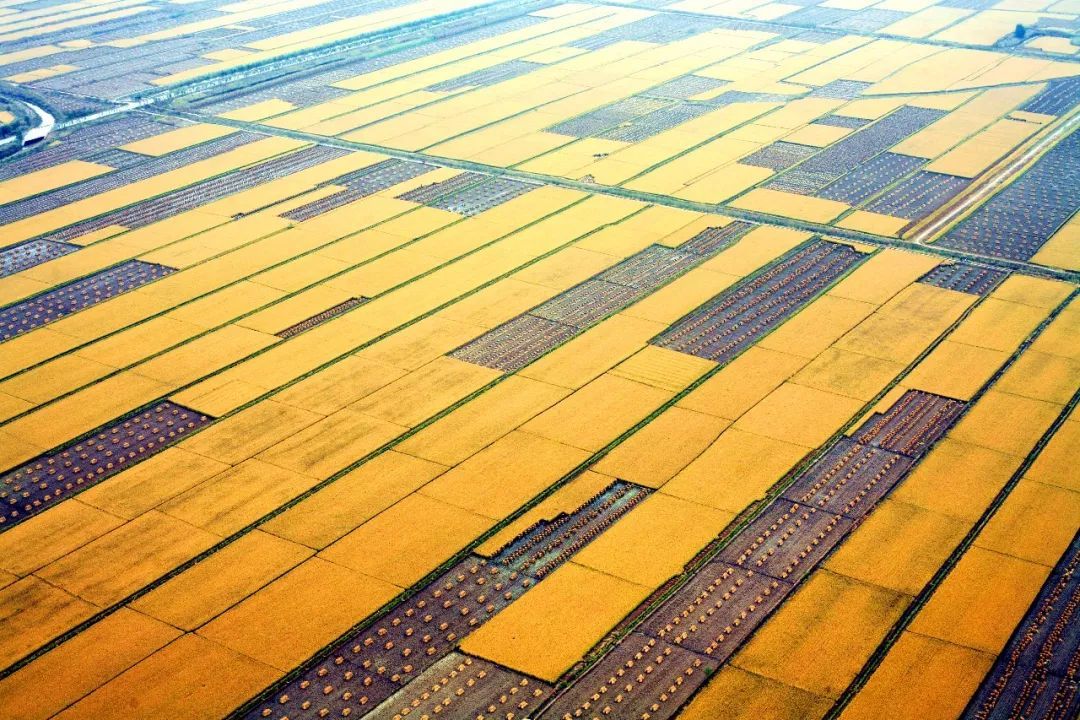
(725, 326)
(843, 121)
(659, 28)
(652, 266)
(317, 88)
(964, 278)
(117, 158)
(841, 89)
(487, 76)
(121, 178)
(686, 87)
(869, 21)
(656, 122)
(1058, 98)
(426, 194)
(802, 182)
(787, 541)
(817, 16)
(601, 120)
(41, 483)
(538, 360)
(848, 477)
(138, 49)
(731, 97)
(516, 343)
(29, 254)
(642, 677)
(45, 308)
(918, 196)
(912, 425)
(83, 143)
(461, 687)
(708, 614)
(870, 179)
(487, 194)
(586, 303)
(710, 241)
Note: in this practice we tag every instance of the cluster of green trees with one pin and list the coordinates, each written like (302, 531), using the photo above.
(24, 118)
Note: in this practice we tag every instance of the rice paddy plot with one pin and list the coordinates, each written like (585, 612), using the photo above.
(85, 142)
(596, 122)
(658, 28)
(484, 195)
(525, 338)
(468, 398)
(686, 87)
(651, 678)
(1058, 98)
(712, 240)
(426, 194)
(730, 97)
(516, 343)
(318, 87)
(869, 21)
(656, 122)
(461, 687)
(841, 121)
(319, 318)
(122, 178)
(33, 252)
(360, 184)
(841, 89)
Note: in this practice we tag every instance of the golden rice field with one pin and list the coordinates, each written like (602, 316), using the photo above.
(539, 360)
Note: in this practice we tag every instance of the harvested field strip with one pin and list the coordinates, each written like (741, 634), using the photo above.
(1036, 673)
(30, 254)
(320, 318)
(422, 630)
(964, 278)
(43, 482)
(734, 320)
(42, 309)
(151, 167)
